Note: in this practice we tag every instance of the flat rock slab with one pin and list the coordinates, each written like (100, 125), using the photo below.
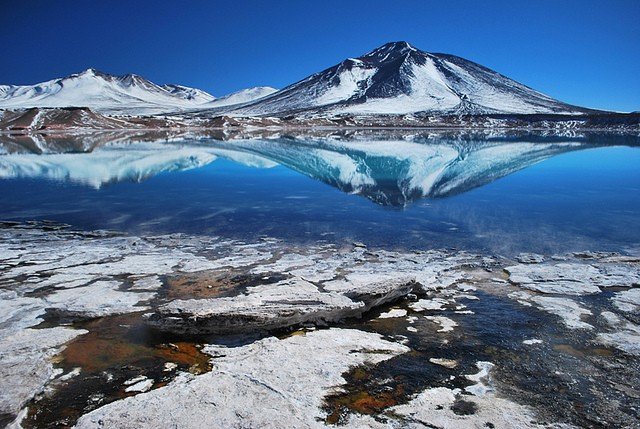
(573, 278)
(265, 307)
(25, 364)
(321, 286)
(628, 301)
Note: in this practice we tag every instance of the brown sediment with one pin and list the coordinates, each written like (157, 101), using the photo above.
(581, 353)
(363, 395)
(362, 402)
(569, 349)
(124, 340)
(213, 284)
(187, 354)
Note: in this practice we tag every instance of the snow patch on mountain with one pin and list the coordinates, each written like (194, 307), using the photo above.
(350, 83)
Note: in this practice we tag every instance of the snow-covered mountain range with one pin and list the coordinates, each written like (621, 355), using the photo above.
(118, 95)
(394, 79)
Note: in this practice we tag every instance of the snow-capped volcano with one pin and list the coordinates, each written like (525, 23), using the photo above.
(105, 93)
(397, 78)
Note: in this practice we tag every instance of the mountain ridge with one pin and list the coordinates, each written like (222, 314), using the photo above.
(128, 94)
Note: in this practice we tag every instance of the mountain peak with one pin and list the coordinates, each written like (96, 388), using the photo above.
(390, 50)
(93, 72)
(88, 72)
(399, 45)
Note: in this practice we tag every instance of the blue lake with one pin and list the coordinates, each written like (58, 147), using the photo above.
(503, 195)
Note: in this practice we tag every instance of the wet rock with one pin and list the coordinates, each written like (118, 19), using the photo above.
(593, 255)
(371, 289)
(428, 304)
(476, 407)
(446, 324)
(247, 378)
(482, 385)
(81, 274)
(283, 304)
(447, 363)
(101, 298)
(18, 312)
(151, 283)
(567, 309)
(625, 335)
(442, 407)
(142, 385)
(170, 366)
(393, 313)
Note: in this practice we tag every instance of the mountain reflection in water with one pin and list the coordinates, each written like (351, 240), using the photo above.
(393, 169)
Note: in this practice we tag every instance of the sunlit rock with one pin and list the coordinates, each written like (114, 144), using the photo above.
(246, 378)
(25, 364)
(572, 278)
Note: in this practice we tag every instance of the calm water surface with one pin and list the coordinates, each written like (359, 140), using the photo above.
(413, 191)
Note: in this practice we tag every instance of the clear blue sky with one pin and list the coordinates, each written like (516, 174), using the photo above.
(583, 52)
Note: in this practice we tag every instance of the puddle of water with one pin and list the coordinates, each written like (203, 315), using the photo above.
(116, 349)
(583, 352)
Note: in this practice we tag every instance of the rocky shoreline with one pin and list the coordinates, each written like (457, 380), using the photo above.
(82, 119)
(270, 334)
